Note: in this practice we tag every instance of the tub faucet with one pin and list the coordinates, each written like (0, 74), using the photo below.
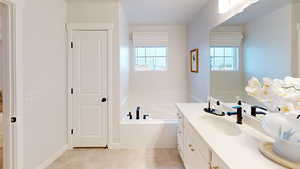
(130, 116)
(145, 117)
(138, 113)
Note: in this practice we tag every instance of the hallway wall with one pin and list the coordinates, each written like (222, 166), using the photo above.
(44, 69)
(124, 54)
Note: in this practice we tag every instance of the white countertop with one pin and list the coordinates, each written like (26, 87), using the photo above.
(239, 151)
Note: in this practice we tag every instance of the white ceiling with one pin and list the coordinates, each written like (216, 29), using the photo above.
(161, 11)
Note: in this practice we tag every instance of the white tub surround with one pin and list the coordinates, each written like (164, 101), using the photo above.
(210, 141)
(154, 133)
(158, 130)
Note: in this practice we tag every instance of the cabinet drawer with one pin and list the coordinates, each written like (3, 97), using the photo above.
(198, 143)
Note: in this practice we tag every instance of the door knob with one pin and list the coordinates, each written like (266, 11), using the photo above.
(104, 99)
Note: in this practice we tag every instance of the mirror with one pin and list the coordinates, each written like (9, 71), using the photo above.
(260, 42)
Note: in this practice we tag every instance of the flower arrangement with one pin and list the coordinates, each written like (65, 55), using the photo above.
(283, 95)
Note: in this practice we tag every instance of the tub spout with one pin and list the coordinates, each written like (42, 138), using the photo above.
(138, 113)
(145, 117)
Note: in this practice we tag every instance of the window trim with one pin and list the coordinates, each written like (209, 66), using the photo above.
(237, 59)
(167, 58)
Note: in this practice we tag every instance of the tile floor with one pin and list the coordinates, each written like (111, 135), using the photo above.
(119, 159)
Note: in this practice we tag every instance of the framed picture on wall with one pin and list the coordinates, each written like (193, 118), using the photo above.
(195, 60)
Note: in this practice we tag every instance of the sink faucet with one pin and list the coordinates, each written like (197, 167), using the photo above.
(239, 115)
(298, 117)
(254, 111)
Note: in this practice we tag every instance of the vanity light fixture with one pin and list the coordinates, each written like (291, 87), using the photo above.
(226, 5)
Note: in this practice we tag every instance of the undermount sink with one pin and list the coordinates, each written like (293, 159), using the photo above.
(223, 125)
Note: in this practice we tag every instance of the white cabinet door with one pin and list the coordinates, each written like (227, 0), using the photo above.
(193, 157)
(89, 80)
(194, 160)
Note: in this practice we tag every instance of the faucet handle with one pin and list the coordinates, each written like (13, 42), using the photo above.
(145, 117)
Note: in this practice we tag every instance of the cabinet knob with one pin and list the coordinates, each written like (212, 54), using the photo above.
(103, 100)
(194, 150)
(190, 145)
(213, 167)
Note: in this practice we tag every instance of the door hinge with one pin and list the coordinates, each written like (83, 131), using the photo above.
(72, 45)
(13, 119)
(72, 131)
(72, 91)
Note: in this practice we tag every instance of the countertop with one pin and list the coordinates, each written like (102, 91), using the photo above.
(239, 151)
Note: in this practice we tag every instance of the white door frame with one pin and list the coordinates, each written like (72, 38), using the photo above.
(298, 50)
(11, 134)
(91, 27)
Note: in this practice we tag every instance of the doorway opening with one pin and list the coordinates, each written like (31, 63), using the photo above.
(7, 87)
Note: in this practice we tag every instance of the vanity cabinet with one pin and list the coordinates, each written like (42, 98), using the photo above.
(202, 146)
(194, 151)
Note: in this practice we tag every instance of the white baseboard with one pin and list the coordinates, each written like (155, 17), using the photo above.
(55, 156)
(114, 146)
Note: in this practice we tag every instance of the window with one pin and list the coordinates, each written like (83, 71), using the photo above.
(151, 58)
(224, 58)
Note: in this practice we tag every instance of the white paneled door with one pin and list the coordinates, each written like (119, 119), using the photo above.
(89, 88)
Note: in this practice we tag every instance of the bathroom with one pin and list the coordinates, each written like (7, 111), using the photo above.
(151, 84)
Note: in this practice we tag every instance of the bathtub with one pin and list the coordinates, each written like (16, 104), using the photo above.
(158, 131)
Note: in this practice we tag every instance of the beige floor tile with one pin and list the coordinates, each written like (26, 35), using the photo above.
(119, 159)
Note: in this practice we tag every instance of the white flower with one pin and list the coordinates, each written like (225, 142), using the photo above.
(284, 94)
(254, 82)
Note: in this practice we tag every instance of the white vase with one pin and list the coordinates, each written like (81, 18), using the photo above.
(285, 129)
(287, 150)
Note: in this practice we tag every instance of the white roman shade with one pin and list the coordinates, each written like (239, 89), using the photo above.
(150, 39)
(230, 39)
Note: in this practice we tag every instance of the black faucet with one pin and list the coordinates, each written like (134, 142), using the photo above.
(298, 117)
(130, 116)
(145, 117)
(239, 115)
(213, 111)
(138, 113)
(254, 111)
